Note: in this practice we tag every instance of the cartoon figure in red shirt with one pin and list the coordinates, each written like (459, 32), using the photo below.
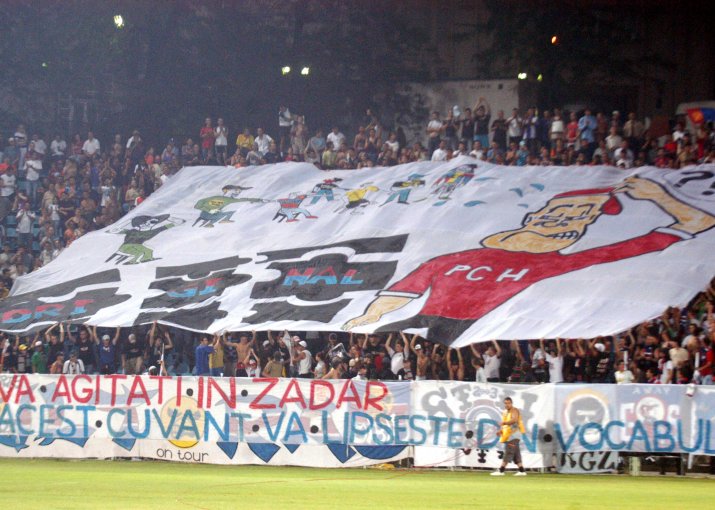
(465, 286)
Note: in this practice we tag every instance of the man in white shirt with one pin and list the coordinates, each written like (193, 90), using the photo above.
(624, 154)
(514, 125)
(25, 218)
(556, 363)
(492, 362)
(434, 130)
(90, 146)
(58, 148)
(7, 183)
(623, 376)
(134, 139)
(398, 356)
(220, 141)
(262, 141)
(303, 360)
(40, 145)
(73, 366)
(440, 154)
(285, 122)
(336, 137)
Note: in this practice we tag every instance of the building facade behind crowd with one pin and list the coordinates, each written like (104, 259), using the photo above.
(54, 189)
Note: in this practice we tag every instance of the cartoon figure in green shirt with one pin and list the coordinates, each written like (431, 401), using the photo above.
(212, 207)
(144, 228)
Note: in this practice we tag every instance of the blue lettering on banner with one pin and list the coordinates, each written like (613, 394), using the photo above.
(382, 421)
(639, 434)
(708, 450)
(662, 432)
(72, 428)
(210, 422)
(20, 427)
(681, 441)
(400, 428)
(481, 444)
(114, 433)
(454, 437)
(273, 432)
(607, 434)
(583, 436)
(422, 433)
(294, 421)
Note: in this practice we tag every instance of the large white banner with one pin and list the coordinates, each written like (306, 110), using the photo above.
(460, 251)
(349, 416)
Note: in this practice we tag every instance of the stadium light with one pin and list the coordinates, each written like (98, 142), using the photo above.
(118, 21)
(305, 71)
(521, 76)
(285, 70)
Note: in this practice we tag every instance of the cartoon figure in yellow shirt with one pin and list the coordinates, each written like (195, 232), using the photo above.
(356, 197)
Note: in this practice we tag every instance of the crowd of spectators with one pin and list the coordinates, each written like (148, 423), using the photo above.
(52, 194)
(675, 349)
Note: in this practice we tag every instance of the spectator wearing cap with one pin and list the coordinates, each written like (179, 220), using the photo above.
(107, 351)
(252, 364)
(132, 356)
(303, 360)
(423, 360)
(38, 361)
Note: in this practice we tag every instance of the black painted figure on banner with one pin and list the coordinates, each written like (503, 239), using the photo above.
(144, 228)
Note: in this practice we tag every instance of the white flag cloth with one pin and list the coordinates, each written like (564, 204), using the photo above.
(460, 251)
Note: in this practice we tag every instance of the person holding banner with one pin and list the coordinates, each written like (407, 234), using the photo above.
(512, 428)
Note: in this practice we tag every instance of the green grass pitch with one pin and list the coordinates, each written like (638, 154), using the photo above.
(27, 484)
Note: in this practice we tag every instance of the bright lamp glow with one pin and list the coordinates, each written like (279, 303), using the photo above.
(305, 71)
(521, 76)
(118, 21)
(554, 40)
(540, 77)
(285, 70)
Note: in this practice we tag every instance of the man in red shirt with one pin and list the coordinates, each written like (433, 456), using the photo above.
(207, 135)
(465, 286)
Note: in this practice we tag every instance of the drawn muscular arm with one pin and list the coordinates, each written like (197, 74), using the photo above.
(688, 219)
(376, 309)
